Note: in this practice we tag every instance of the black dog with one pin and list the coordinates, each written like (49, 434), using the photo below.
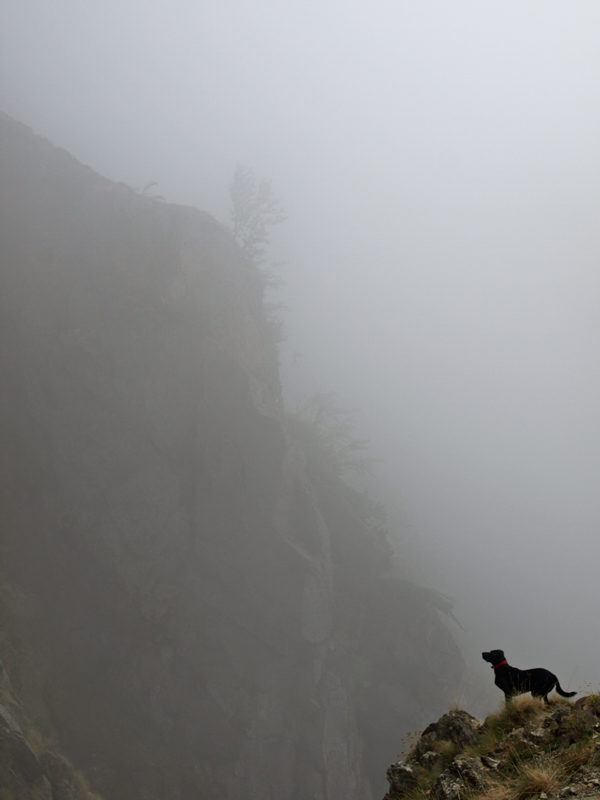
(515, 681)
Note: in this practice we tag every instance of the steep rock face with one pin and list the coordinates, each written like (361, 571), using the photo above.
(196, 616)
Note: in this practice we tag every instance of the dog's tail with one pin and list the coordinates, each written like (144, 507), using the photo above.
(562, 692)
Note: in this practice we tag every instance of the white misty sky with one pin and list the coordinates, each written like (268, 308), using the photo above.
(439, 163)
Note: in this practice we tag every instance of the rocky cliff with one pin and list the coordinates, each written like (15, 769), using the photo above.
(526, 750)
(192, 606)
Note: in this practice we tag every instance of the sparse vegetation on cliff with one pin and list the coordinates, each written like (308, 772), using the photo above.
(326, 433)
(255, 209)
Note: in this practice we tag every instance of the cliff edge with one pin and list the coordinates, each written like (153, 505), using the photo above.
(525, 751)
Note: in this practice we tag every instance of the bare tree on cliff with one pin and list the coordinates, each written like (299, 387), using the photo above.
(254, 210)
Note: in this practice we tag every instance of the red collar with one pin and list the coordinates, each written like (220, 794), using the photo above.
(501, 664)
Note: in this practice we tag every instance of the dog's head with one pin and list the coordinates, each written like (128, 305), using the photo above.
(494, 656)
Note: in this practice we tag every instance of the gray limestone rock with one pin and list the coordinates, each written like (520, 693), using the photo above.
(401, 778)
(447, 787)
(431, 760)
(537, 735)
(425, 744)
(470, 770)
(457, 726)
(490, 763)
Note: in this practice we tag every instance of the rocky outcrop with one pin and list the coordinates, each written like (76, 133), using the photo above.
(190, 610)
(456, 727)
(527, 750)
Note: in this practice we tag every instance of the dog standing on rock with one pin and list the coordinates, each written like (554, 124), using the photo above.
(515, 681)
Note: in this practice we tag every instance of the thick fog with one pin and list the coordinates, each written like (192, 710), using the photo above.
(439, 164)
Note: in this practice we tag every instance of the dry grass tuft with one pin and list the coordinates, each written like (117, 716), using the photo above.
(445, 748)
(574, 758)
(515, 714)
(533, 780)
(525, 708)
(530, 780)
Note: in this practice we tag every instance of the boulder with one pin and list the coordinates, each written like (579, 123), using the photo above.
(432, 761)
(447, 787)
(470, 770)
(401, 778)
(457, 726)
(463, 774)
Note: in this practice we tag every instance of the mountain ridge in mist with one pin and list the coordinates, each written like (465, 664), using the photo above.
(204, 607)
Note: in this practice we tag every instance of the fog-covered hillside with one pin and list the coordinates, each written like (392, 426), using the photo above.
(194, 602)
